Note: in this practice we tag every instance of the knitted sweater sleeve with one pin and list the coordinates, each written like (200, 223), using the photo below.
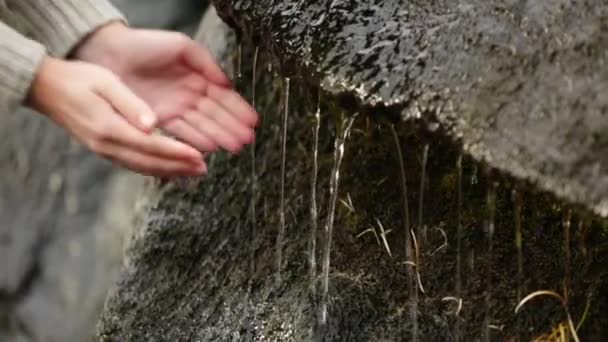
(19, 59)
(61, 24)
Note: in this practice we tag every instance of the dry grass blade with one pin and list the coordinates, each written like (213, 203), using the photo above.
(348, 206)
(411, 263)
(444, 244)
(546, 293)
(542, 293)
(369, 230)
(454, 299)
(383, 234)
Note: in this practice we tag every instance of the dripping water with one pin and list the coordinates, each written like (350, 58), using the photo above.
(254, 179)
(459, 239)
(517, 199)
(253, 146)
(252, 203)
(490, 228)
(409, 253)
(425, 157)
(334, 183)
(567, 254)
(313, 197)
(239, 61)
(281, 234)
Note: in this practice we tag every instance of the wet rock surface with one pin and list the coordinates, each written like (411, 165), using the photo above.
(520, 84)
(203, 266)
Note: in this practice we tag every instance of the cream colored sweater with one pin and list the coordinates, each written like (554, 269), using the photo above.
(57, 27)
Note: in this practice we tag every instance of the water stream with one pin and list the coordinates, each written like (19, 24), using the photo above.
(517, 199)
(409, 252)
(490, 226)
(312, 249)
(567, 252)
(281, 235)
(334, 182)
(422, 228)
(459, 240)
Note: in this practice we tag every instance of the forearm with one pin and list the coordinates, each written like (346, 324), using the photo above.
(20, 59)
(61, 25)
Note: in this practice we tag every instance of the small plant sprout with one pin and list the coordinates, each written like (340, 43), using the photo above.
(546, 293)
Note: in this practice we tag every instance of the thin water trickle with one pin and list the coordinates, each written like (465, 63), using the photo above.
(459, 239)
(252, 203)
(517, 199)
(281, 235)
(334, 182)
(421, 225)
(254, 178)
(409, 253)
(239, 61)
(312, 249)
(490, 228)
(567, 253)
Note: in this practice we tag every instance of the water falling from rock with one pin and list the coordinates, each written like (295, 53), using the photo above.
(239, 61)
(567, 254)
(517, 199)
(334, 182)
(490, 228)
(254, 178)
(409, 253)
(281, 235)
(459, 239)
(313, 198)
(421, 226)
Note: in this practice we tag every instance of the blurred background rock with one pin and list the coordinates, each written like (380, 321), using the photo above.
(66, 214)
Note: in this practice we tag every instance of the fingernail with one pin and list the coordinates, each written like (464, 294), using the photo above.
(147, 120)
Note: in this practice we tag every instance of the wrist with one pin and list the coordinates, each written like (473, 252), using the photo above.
(43, 85)
(100, 47)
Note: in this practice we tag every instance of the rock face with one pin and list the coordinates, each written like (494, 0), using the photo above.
(519, 83)
(430, 246)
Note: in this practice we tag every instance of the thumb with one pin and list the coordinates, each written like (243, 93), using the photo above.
(135, 110)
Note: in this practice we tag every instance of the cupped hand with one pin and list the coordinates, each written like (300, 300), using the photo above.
(105, 115)
(179, 80)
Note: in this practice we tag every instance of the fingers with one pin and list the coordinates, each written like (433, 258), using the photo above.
(185, 132)
(234, 104)
(226, 120)
(163, 147)
(153, 165)
(199, 58)
(125, 102)
(213, 131)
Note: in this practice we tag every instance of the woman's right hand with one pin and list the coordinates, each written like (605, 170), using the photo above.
(105, 115)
